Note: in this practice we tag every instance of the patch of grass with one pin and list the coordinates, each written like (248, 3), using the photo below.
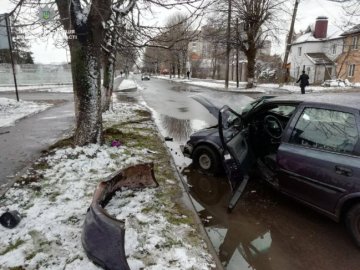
(41, 165)
(30, 256)
(143, 113)
(31, 177)
(114, 156)
(17, 268)
(93, 171)
(73, 220)
(67, 142)
(12, 246)
(53, 196)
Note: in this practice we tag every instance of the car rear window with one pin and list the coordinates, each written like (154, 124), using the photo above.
(327, 130)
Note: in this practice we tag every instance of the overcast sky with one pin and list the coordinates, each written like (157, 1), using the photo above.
(309, 10)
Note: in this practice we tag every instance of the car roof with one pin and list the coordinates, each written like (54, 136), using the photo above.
(350, 100)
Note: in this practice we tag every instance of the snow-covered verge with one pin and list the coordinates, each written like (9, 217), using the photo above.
(126, 84)
(262, 88)
(54, 195)
(11, 110)
(43, 87)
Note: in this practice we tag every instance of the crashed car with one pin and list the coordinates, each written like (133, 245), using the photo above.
(306, 146)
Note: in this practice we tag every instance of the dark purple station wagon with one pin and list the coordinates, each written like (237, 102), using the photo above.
(306, 146)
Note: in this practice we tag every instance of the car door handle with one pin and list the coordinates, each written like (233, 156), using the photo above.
(343, 171)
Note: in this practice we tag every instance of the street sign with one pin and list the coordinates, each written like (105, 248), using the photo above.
(46, 14)
(4, 43)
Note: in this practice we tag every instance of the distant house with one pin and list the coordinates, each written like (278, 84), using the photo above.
(316, 50)
(348, 63)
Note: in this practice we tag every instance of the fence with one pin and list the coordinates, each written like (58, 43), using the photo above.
(29, 74)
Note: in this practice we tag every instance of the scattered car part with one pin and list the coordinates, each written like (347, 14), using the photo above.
(103, 235)
(10, 219)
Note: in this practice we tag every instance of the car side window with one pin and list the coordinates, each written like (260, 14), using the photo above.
(326, 129)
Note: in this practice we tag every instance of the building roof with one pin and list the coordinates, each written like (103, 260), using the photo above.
(319, 58)
(353, 30)
(333, 32)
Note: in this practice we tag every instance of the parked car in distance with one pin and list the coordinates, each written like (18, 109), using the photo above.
(145, 77)
(305, 146)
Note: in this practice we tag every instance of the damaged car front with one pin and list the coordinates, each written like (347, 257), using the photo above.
(204, 147)
(305, 146)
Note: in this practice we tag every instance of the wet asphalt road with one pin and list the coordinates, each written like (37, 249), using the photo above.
(266, 230)
(23, 142)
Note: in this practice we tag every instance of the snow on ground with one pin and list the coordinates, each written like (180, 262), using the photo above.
(127, 84)
(11, 110)
(41, 87)
(262, 88)
(54, 208)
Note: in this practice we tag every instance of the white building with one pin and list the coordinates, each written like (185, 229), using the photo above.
(316, 50)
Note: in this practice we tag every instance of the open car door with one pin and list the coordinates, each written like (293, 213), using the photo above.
(236, 155)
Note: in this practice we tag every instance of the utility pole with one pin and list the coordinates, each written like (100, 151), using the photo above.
(237, 52)
(284, 74)
(228, 47)
(8, 30)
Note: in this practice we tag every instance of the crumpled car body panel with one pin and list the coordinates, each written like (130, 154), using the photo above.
(103, 236)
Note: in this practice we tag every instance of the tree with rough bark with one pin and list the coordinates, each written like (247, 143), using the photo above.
(94, 34)
(259, 20)
(169, 50)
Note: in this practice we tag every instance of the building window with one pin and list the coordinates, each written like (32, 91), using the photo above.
(351, 70)
(333, 50)
(194, 44)
(355, 41)
(299, 51)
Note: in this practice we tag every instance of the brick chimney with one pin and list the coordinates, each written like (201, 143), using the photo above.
(321, 26)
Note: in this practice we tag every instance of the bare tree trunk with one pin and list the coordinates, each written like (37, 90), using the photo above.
(228, 48)
(251, 55)
(108, 83)
(85, 64)
(86, 81)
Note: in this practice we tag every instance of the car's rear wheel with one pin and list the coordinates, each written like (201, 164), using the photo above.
(353, 223)
(206, 159)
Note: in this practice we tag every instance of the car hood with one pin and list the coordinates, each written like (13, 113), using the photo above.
(212, 131)
(216, 101)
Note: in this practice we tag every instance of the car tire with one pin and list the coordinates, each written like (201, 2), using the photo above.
(353, 223)
(206, 159)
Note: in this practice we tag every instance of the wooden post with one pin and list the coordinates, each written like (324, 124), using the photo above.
(8, 30)
(284, 74)
(228, 47)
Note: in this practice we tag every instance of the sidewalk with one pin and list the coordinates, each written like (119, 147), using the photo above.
(53, 196)
(269, 88)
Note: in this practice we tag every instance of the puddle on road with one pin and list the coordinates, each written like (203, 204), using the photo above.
(267, 231)
(178, 129)
(183, 109)
(181, 88)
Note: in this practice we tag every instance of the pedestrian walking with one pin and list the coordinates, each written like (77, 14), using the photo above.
(188, 74)
(304, 81)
